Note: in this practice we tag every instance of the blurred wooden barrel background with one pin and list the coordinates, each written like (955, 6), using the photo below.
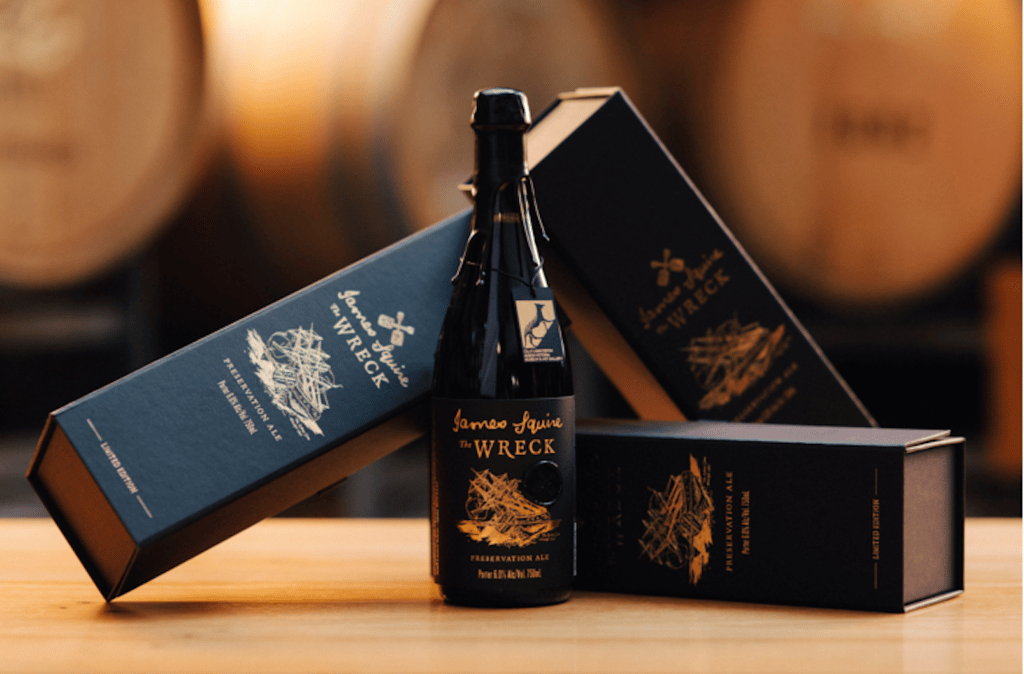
(866, 152)
(347, 122)
(101, 131)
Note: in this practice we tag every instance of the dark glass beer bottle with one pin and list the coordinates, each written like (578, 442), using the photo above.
(502, 445)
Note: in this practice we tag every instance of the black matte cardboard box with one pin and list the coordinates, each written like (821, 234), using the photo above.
(837, 517)
(151, 470)
(659, 291)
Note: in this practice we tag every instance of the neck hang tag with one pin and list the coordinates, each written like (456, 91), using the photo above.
(538, 325)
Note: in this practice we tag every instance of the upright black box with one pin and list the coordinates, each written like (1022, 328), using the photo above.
(660, 293)
(154, 468)
(839, 517)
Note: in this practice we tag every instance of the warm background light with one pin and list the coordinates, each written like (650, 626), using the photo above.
(169, 166)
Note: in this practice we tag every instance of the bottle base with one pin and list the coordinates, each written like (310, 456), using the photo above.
(497, 599)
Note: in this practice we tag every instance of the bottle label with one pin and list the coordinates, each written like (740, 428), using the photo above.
(538, 325)
(503, 493)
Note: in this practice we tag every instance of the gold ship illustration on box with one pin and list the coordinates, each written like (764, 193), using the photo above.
(730, 359)
(677, 531)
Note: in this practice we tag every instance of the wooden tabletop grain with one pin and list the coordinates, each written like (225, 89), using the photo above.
(344, 595)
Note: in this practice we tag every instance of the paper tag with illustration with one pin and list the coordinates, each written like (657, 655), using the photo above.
(538, 325)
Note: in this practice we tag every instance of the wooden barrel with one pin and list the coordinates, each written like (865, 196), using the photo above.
(101, 111)
(348, 121)
(866, 152)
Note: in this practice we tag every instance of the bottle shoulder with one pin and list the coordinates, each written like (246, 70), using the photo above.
(481, 351)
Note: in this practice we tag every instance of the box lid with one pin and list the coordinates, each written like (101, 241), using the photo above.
(909, 438)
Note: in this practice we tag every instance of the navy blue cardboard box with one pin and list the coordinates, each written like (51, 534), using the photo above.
(156, 467)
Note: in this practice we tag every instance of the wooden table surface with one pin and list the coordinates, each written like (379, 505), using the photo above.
(354, 595)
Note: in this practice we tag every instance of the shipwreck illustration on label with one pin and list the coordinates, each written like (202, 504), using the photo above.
(677, 531)
(499, 513)
(731, 358)
(292, 366)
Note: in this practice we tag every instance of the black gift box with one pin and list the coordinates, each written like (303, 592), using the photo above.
(660, 293)
(151, 470)
(838, 517)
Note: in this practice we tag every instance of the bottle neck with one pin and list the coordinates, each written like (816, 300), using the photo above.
(500, 159)
(501, 242)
